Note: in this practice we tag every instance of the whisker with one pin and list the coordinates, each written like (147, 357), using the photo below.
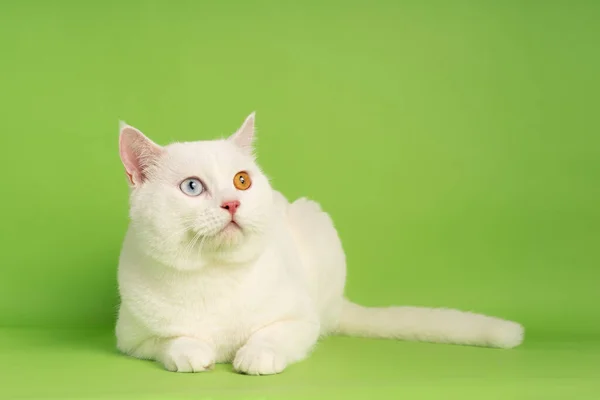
(190, 246)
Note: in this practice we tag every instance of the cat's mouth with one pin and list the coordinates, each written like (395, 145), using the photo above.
(231, 226)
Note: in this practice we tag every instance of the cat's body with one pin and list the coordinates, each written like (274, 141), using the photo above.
(197, 288)
(225, 303)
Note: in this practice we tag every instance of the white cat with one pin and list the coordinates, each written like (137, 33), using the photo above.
(219, 267)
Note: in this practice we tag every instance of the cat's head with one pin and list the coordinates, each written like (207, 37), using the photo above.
(194, 202)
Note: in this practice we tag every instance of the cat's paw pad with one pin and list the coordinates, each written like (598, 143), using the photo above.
(187, 355)
(257, 360)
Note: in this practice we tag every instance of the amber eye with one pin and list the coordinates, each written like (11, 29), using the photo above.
(242, 181)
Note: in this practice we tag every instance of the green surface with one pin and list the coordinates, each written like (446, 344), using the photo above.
(63, 365)
(455, 144)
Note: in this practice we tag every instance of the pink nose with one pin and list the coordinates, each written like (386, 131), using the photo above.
(230, 206)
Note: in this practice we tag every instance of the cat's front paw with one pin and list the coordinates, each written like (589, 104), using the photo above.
(258, 360)
(187, 355)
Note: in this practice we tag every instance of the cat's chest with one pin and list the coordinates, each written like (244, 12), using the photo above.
(204, 300)
(223, 304)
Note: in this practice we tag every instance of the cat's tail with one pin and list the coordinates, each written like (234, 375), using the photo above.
(434, 325)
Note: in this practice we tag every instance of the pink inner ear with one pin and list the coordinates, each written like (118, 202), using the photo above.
(128, 155)
(137, 154)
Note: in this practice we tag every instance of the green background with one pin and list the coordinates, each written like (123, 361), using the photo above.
(455, 144)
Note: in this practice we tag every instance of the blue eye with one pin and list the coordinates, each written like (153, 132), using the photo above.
(192, 187)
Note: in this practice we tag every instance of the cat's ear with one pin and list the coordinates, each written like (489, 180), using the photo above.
(137, 153)
(244, 137)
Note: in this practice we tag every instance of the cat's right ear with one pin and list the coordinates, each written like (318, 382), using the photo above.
(244, 137)
(137, 153)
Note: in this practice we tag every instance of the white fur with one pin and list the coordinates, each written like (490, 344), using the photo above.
(194, 294)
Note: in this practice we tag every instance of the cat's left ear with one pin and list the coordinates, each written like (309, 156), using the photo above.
(244, 137)
(137, 152)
